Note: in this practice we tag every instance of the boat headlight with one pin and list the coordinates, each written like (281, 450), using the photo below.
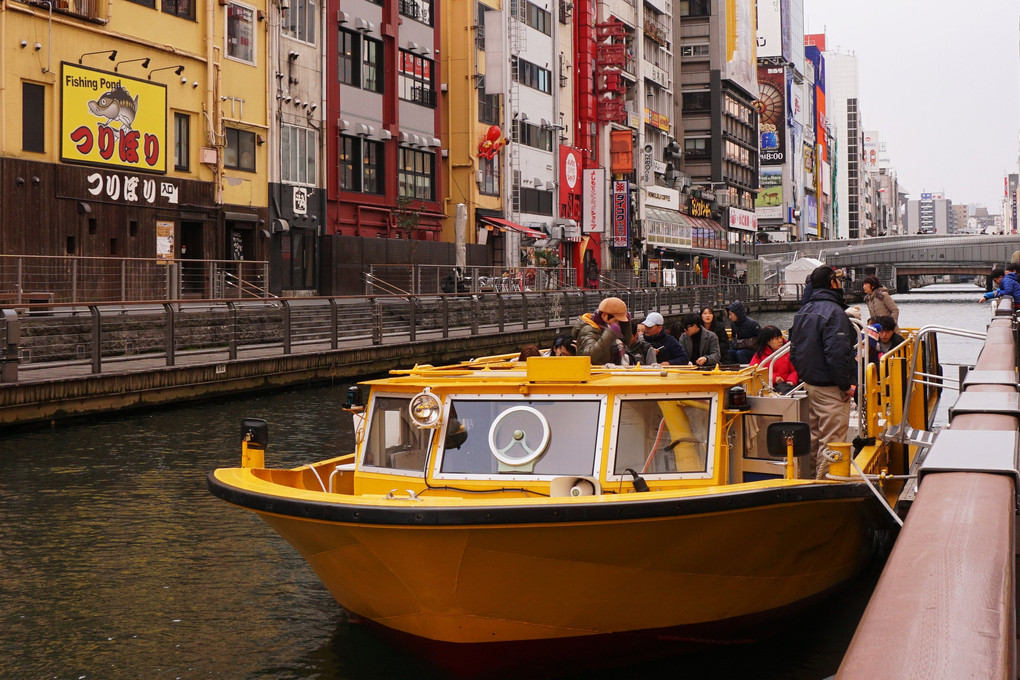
(425, 409)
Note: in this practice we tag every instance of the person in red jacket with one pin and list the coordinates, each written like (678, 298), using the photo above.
(784, 375)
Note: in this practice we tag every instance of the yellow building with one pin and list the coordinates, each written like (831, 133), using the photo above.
(133, 129)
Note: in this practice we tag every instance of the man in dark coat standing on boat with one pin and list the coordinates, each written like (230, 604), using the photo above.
(823, 353)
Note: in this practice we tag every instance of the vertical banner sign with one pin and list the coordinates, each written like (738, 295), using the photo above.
(771, 107)
(593, 215)
(621, 214)
(164, 241)
(111, 119)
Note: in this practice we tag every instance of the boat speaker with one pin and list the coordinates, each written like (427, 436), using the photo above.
(574, 487)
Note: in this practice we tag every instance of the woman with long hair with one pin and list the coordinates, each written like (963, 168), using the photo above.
(784, 375)
(714, 322)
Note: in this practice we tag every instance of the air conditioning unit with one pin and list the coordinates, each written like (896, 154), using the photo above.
(479, 177)
(722, 200)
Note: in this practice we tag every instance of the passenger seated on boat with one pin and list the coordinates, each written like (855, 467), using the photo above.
(599, 334)
(563, 346)
(784, 375)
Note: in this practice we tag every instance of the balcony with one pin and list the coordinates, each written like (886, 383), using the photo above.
(83, 9)
(423, 95)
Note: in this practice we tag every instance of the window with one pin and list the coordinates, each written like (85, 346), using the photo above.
(697, 101)
(299, 20)
(480, 26)
(695, 8)
(360, 61)
(145, 3)
(417, 9)
(298, 153)
(538, 19)
(393, 441)
(415, 174)
(488, 107)
(239, 152)
(349, 161)
(489, 167)
(416, 79)
(182, 142)
(694, 50)
(696, 147)
(361, 165)
(533, 136)
(531, 75)
(241, 33)
(33, 118)
(571, 447)
(182, 8)
(663, 436)
(535, 201)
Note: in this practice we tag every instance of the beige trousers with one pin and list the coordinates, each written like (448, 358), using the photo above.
(828, 418)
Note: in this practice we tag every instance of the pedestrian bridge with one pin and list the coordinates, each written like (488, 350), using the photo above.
(900, 258)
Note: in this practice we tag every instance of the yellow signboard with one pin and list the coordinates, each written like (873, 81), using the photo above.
(111, 119)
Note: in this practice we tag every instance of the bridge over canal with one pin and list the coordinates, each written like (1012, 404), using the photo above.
(908, 260)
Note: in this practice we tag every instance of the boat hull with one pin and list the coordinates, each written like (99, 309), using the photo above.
(553, 571)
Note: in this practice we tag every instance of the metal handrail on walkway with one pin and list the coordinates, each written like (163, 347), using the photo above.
(92, 336)
(945, 605)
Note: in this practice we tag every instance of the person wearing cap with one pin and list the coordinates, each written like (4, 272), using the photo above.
(668, 352)
(605, 333)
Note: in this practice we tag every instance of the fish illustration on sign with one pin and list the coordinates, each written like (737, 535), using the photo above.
(116, 104)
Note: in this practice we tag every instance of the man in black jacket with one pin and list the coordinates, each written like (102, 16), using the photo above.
(823, 353)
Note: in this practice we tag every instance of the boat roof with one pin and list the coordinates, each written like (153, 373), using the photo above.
(505, 371)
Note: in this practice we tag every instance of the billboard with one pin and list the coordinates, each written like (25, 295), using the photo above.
(771, 106)
(621, 214)
(774, 39)
(871, 151)
(740, 55)
(571, 191)
(744, 220)
(111, 119)
(593, 200)
(769, 204)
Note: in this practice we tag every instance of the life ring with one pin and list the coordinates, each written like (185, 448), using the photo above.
(518, 438)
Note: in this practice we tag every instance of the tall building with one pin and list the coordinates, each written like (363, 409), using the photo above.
(384, 114)
(844, 114)
(931, 214)
(120, 143)
(719, 122)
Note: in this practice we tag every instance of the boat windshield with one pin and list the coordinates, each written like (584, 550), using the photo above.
(394, 442)
(540, 437)
(662, 436)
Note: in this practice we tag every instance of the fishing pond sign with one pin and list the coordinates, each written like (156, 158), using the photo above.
(112, 119)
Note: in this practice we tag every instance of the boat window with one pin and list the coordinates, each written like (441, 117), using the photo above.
(394, 441)
(663, 436)
(522, 437)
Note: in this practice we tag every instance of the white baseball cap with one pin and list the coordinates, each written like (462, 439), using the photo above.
(654, 319)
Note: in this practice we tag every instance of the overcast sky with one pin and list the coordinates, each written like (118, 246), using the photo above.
(939, 82)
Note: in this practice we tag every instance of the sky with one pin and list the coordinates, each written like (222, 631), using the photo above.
(940, 83)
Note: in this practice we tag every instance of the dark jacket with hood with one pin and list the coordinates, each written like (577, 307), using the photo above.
(667, 349)
(744, 328)
(823, 341)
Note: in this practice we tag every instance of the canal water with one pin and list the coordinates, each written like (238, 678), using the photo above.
(115, 562)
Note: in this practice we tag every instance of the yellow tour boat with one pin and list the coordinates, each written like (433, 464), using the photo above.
(530, 507)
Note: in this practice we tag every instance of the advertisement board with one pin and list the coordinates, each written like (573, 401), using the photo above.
(745, 220)
(111, 119)
(570, 183)
(771, 107)
(769, 204)
(741, 38)
(593, 208)
(770, 29)
(621, 214)
(871, 151)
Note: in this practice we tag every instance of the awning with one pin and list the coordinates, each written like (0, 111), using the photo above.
(507, 224)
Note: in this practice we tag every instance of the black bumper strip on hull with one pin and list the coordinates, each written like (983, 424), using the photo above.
(544, 513)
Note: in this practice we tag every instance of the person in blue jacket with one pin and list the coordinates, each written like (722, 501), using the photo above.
(745, 333)
(1006, 283)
